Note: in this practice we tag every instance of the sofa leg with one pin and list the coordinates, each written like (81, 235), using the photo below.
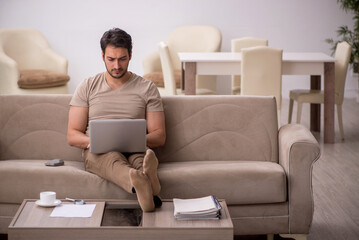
(295, 236)
(270, 236)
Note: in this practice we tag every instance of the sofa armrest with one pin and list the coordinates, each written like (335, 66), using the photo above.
(152, 63)
(298, 150)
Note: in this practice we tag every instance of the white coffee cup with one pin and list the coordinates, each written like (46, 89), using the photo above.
(48, 197)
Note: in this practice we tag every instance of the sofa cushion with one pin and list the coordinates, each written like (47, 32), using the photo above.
(238, 182)
(24, 179)
(35, 127)
(41, 79)
(203, 128)
(254, 182)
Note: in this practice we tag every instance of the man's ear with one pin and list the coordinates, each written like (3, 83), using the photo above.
(130, 55)
(103, 56)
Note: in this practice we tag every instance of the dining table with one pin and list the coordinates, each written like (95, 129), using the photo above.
(313, 64)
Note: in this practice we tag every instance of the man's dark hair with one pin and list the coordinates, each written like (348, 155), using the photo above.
(118, 38)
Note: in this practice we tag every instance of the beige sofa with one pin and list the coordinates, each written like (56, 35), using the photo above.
(228, 146)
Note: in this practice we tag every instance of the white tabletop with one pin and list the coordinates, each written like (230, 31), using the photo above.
(294, 63)
(237, 56)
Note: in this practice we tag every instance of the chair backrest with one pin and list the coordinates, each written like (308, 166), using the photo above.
(23, 46)
(246, 42)
(167, 69)
(342, 56)
(261, 72)
(236, 46)
(193, 38)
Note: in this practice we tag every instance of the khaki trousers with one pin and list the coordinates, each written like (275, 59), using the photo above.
(114, 166)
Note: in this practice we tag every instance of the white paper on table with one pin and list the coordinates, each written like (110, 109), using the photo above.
(69, 210)
(194, 205)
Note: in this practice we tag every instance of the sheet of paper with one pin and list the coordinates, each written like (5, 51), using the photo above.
(72, 210)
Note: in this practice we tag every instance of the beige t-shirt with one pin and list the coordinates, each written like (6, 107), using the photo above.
(136, 97)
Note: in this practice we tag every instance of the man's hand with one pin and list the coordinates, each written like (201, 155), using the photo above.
(156, 136)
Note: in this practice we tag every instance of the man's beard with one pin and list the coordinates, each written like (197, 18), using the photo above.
(115, 76)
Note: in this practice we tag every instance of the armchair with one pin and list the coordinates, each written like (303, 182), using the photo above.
(193, 38)
(25, 55)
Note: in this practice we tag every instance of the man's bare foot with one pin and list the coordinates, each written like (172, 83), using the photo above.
(143, 189)
(150, 165)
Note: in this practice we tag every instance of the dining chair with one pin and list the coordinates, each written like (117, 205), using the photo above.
(236, 46)
(169, 76)
(261, 73)
(188, 38)
(342, 56)
(28, 65)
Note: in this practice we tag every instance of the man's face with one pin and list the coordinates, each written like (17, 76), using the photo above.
(116, 60)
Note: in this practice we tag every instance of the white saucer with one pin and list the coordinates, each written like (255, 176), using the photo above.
(57, 202)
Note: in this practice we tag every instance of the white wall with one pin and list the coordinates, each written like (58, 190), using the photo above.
(74, 28)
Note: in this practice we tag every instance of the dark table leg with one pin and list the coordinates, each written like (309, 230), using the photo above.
(315, 84)
(182, 78)
(190, 78)
(329, 100)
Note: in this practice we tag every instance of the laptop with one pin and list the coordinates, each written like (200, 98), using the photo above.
(121, 135)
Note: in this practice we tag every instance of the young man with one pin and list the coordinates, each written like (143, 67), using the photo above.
(120, 94)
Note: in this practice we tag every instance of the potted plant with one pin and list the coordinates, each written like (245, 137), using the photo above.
(345, 34)
(350, 36)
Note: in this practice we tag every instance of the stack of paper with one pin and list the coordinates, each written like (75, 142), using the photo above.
(197, 208)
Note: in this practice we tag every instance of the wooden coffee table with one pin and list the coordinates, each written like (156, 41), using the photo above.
(34, 222)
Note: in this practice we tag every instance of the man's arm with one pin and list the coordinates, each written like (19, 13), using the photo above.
(78, 117)
(156, 136)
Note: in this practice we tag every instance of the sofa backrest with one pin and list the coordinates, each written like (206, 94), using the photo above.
(198, 128)
(35, 127)
(215, 128)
